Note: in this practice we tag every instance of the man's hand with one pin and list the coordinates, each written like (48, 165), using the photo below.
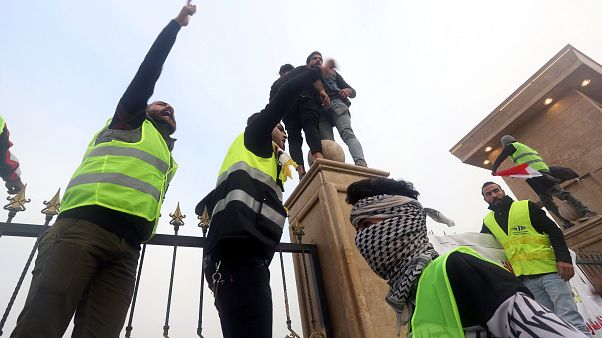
(187, 11)
(320, 88)
(14, 187)
(345, 92)
(325, 99)
(565, 270)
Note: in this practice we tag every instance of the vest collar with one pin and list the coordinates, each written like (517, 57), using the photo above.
(168, 139)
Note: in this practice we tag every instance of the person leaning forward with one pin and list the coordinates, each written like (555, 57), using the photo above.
(247, 217)
(303, 113)
(536, 250)
(455, 294)
(545, 186)
(87, 261)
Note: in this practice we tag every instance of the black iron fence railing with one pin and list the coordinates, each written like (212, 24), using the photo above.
(304, 253)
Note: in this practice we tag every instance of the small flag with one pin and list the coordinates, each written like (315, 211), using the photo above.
(286, 161)
(520, 171)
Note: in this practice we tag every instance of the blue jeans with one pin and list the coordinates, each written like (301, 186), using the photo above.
(555, 294)
(338, 115)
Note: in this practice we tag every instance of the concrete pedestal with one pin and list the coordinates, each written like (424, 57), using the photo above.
(355, 294)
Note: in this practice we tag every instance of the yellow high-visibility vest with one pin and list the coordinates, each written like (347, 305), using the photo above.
(261, 169)
(528, 251)
(526, 154)
(436, 313)
(129, 177)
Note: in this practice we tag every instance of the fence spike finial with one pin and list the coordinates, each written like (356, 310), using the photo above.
(16, 204)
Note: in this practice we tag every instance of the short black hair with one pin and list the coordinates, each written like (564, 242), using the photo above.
(378, 186)
(285, 68)
(310, 56)
(488, 183)
(252, 118)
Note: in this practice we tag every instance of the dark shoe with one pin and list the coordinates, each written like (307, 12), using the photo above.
(361, 163)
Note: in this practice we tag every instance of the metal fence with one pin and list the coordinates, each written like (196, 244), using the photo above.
(305, 253)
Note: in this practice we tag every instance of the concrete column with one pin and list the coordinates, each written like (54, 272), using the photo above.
(354, 293)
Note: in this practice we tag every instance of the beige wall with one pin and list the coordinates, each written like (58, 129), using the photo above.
(568, 133)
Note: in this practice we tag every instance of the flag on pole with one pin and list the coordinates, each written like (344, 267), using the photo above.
(520, 171)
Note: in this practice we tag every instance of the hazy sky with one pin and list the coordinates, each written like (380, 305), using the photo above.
(426, 72)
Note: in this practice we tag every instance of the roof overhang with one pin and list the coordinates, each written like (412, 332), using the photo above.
(566, 71)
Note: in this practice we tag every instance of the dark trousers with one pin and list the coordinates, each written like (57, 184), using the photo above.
(243, 298)
(546, 189)
(304, 114)
(80, 269)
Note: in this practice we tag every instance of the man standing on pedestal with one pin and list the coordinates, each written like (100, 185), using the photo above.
(86, 263)
(536, 250)
(545, 186)
(303, 113)
(338, 115)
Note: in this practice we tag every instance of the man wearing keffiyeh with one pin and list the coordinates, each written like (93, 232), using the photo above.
(458, 294)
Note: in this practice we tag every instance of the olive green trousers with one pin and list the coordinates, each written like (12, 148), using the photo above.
(82, 270)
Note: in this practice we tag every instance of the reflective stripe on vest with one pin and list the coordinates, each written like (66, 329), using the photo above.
(525, 154)
(131, 152)
(262, 167)
(118, 179)
(262, 170)
(528, 251)
(436, 313)
(258, 207)
(254, 173)
(129, 177)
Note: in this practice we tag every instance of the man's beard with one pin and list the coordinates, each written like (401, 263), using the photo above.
(497, 203)
(166, 127)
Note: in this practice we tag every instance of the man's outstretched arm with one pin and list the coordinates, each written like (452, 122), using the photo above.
(131, 109)
(507, 151)
(273, 112)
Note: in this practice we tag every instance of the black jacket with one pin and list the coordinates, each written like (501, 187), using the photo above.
(237, 229)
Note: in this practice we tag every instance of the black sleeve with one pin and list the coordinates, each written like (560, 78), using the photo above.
(508, 150)
(342, 85)
(544, 225)
(275, 87)
(258, 134)
(479, 287)
(207, 202)
(131, 109)
(485, 230)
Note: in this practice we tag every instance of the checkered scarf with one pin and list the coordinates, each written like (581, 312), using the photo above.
(396, 248)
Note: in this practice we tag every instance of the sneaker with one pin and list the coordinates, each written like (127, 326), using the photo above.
(587, 216)
(361, 163)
